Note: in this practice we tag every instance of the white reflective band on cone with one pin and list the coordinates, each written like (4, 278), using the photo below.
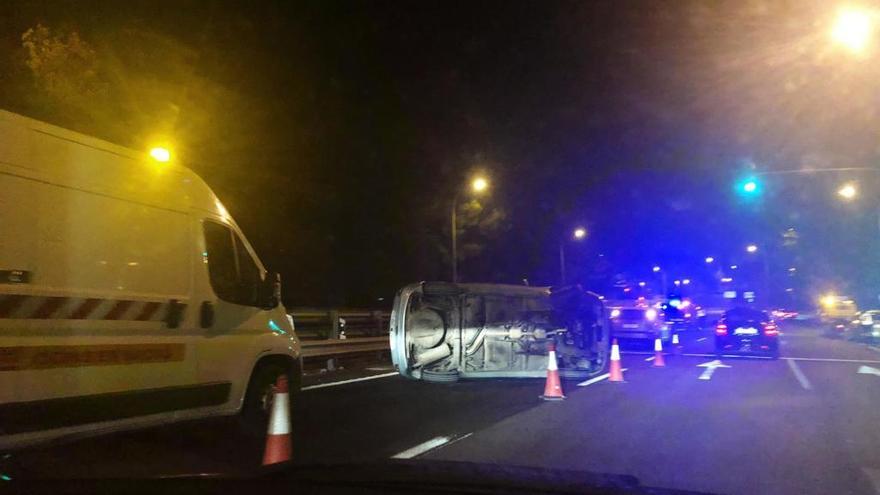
(615, 353)
(279, 422)
(658, 346)
(551, 365)
(675, 338)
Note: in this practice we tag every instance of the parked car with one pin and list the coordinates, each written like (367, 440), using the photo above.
(444, 331)
(638, 322)
(836, 314)
(679, 314)
(747, 330)
(867, 327)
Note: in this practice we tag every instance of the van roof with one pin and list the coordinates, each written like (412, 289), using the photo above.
(40, 151)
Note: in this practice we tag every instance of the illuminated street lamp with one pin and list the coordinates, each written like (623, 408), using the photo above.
(686, 281)
(852, 29)
(478, 185)
(160, 154)
(642, 284)
(577, 234)
(710, 259)
(751, 248)
(847, 191)
(656, 269)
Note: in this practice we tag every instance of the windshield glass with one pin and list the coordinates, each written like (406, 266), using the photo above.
(434, 243)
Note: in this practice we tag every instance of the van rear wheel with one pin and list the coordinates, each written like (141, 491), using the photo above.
(259, 396)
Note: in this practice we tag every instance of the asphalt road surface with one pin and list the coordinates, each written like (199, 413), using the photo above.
(806, 423)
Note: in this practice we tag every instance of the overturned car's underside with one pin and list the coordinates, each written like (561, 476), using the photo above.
(442, 331)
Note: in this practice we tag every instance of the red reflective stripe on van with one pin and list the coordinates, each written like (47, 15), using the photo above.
(48, 308)
(8, 304)
(118, 310)
(85, 309)
(149, 310)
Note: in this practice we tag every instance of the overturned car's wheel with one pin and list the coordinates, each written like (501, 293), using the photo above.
(440, 376)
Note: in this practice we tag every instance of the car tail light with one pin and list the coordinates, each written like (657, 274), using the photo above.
(770, 329)
(721, 329)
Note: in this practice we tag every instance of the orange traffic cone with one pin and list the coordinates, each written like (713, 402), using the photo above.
(615, 374)
(278, 436)
(553, 387)
(659, 362)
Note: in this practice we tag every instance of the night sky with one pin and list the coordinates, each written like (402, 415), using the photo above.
(337, 133)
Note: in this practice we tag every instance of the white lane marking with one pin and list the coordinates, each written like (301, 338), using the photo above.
(701, 339)
(597, 379)
(353, 380)
(735, 356)
(801, 378)
(765, 358)
(650, 358)
(832, 360)
(380, 368)
(867, 370)
(430, 445)
(874, 348)
(711, 366)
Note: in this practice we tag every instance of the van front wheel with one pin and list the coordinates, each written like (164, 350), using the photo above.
(259, 396)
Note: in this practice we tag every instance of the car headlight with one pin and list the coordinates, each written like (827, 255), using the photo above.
(651, 314)
(615, 313)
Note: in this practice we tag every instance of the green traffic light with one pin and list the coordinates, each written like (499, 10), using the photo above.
(749, 187)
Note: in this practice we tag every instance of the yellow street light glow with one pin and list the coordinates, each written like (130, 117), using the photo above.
(848, 191)
(580, 233)
(480, 184)
(852, 29)
(829, 300)
(160, 154)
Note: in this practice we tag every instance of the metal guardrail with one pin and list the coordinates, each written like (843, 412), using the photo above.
(336, 347)
(323, 333)
(314, 323)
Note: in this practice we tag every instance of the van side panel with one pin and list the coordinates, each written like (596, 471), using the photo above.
(89, 316)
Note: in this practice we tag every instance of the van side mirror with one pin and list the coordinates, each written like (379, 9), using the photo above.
(270, 291)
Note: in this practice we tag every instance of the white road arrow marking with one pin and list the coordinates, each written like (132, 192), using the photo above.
(711, 366)
(867, 370)
(597, 379)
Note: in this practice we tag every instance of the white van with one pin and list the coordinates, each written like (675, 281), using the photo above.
(128, 295)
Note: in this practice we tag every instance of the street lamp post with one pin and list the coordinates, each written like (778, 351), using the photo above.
(578, 234)
(753, 249)
(657, 269)
(478, 185)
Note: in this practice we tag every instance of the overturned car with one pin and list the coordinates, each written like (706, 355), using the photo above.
(442, 331)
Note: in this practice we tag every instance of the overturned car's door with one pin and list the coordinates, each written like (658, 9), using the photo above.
(442, 331)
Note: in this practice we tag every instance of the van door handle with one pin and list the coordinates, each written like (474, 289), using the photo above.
(206, 314)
